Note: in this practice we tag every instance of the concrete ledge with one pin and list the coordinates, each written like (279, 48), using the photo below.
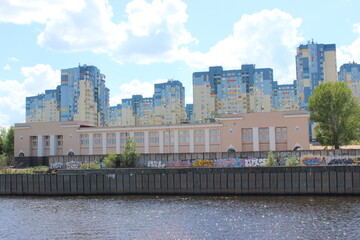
(317, 180)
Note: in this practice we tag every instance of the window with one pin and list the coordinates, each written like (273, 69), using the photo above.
(214, 139)
(138, 134)
(246, 134)
(200, 139)
(214, 132)
(84, 139)
(97, 139)
(264, 134)
(199, 132)
(111, 138)
(184, 139)
(281, 133)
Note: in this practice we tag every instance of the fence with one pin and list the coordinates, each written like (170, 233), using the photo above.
(324, 180)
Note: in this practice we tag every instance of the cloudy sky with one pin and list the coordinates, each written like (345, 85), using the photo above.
(141, 42)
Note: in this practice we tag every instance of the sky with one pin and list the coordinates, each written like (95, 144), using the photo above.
(141, 42)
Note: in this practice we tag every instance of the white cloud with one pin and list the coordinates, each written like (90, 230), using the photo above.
(36, 11)
(13, 92)
(7, 67)
(153, 32)
(350, 53)
(13, 59)
(134, 87)
(268, 39)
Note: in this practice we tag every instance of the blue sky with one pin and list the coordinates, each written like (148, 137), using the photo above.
(138, 43)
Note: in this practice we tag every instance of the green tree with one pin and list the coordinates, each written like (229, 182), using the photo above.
(271, 160)
(336, 113)
(110, 160)
(8, 142)
(129, 156)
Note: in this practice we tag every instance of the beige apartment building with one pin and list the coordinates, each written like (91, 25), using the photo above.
(275, 131)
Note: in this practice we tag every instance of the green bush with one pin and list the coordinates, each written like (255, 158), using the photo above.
(129, 156)
(292, 161)
(110, 160)
(93, 165)
(270, 161)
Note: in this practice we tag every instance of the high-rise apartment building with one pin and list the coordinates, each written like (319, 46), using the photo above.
(285, 97)
(44, 107)
(35, 108)
(189, 112)
(115, 115)
(315, 64)
(84, 96)
(169, 102)
(218, 92)
(350, 73)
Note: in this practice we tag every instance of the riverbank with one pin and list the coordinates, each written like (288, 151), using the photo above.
(313, 180)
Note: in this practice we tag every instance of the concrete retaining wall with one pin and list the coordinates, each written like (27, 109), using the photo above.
(329, 180)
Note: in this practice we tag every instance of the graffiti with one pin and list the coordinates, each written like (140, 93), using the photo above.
(155, 164)
(56, 165)
(255, 162)
(229, 162)
(183, 163)
(204, 163)
(73, 165)
(313, 161)
(342, 161)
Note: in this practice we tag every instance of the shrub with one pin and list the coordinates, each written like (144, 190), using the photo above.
(270, 161)
(292, 161)
(110, 160)
(129, 156)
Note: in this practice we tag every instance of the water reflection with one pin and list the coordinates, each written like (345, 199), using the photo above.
(166, 217)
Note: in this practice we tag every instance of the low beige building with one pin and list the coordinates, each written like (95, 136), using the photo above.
(275, 131)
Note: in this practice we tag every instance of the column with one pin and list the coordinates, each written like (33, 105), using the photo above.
(255, 139)
(272, 142)
(176, 141)
(40, 147)
(161, 141)
(117, 143)
(52, 145)
(91, 144)
(146, 141)
(103, 143)
(191, 135)
(207, 136)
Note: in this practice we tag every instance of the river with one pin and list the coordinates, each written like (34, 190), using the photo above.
(180, 217)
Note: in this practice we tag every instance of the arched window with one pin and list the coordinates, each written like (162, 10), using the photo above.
(231, 150)
(21, 154)
(71, 153)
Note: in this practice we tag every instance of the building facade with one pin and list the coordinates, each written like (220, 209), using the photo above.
(315, 64)
(115, 115)
(350, 73)
(285, 97)
(265, 131)
(169, 102)
(44, 107)
(84, 96)
(218, 92)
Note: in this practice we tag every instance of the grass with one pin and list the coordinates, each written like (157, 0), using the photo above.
(23, 170)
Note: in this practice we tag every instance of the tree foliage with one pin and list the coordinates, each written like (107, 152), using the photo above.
(271, 160)
(6, 145)
(129, 156)
(336, 113)
(110, 160)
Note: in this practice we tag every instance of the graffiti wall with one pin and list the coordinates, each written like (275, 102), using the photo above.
(329, 160)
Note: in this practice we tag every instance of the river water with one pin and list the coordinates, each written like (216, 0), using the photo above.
(186, 217)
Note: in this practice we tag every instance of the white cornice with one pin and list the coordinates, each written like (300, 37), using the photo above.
(25, 127)
(146, 128)
(296, 115)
